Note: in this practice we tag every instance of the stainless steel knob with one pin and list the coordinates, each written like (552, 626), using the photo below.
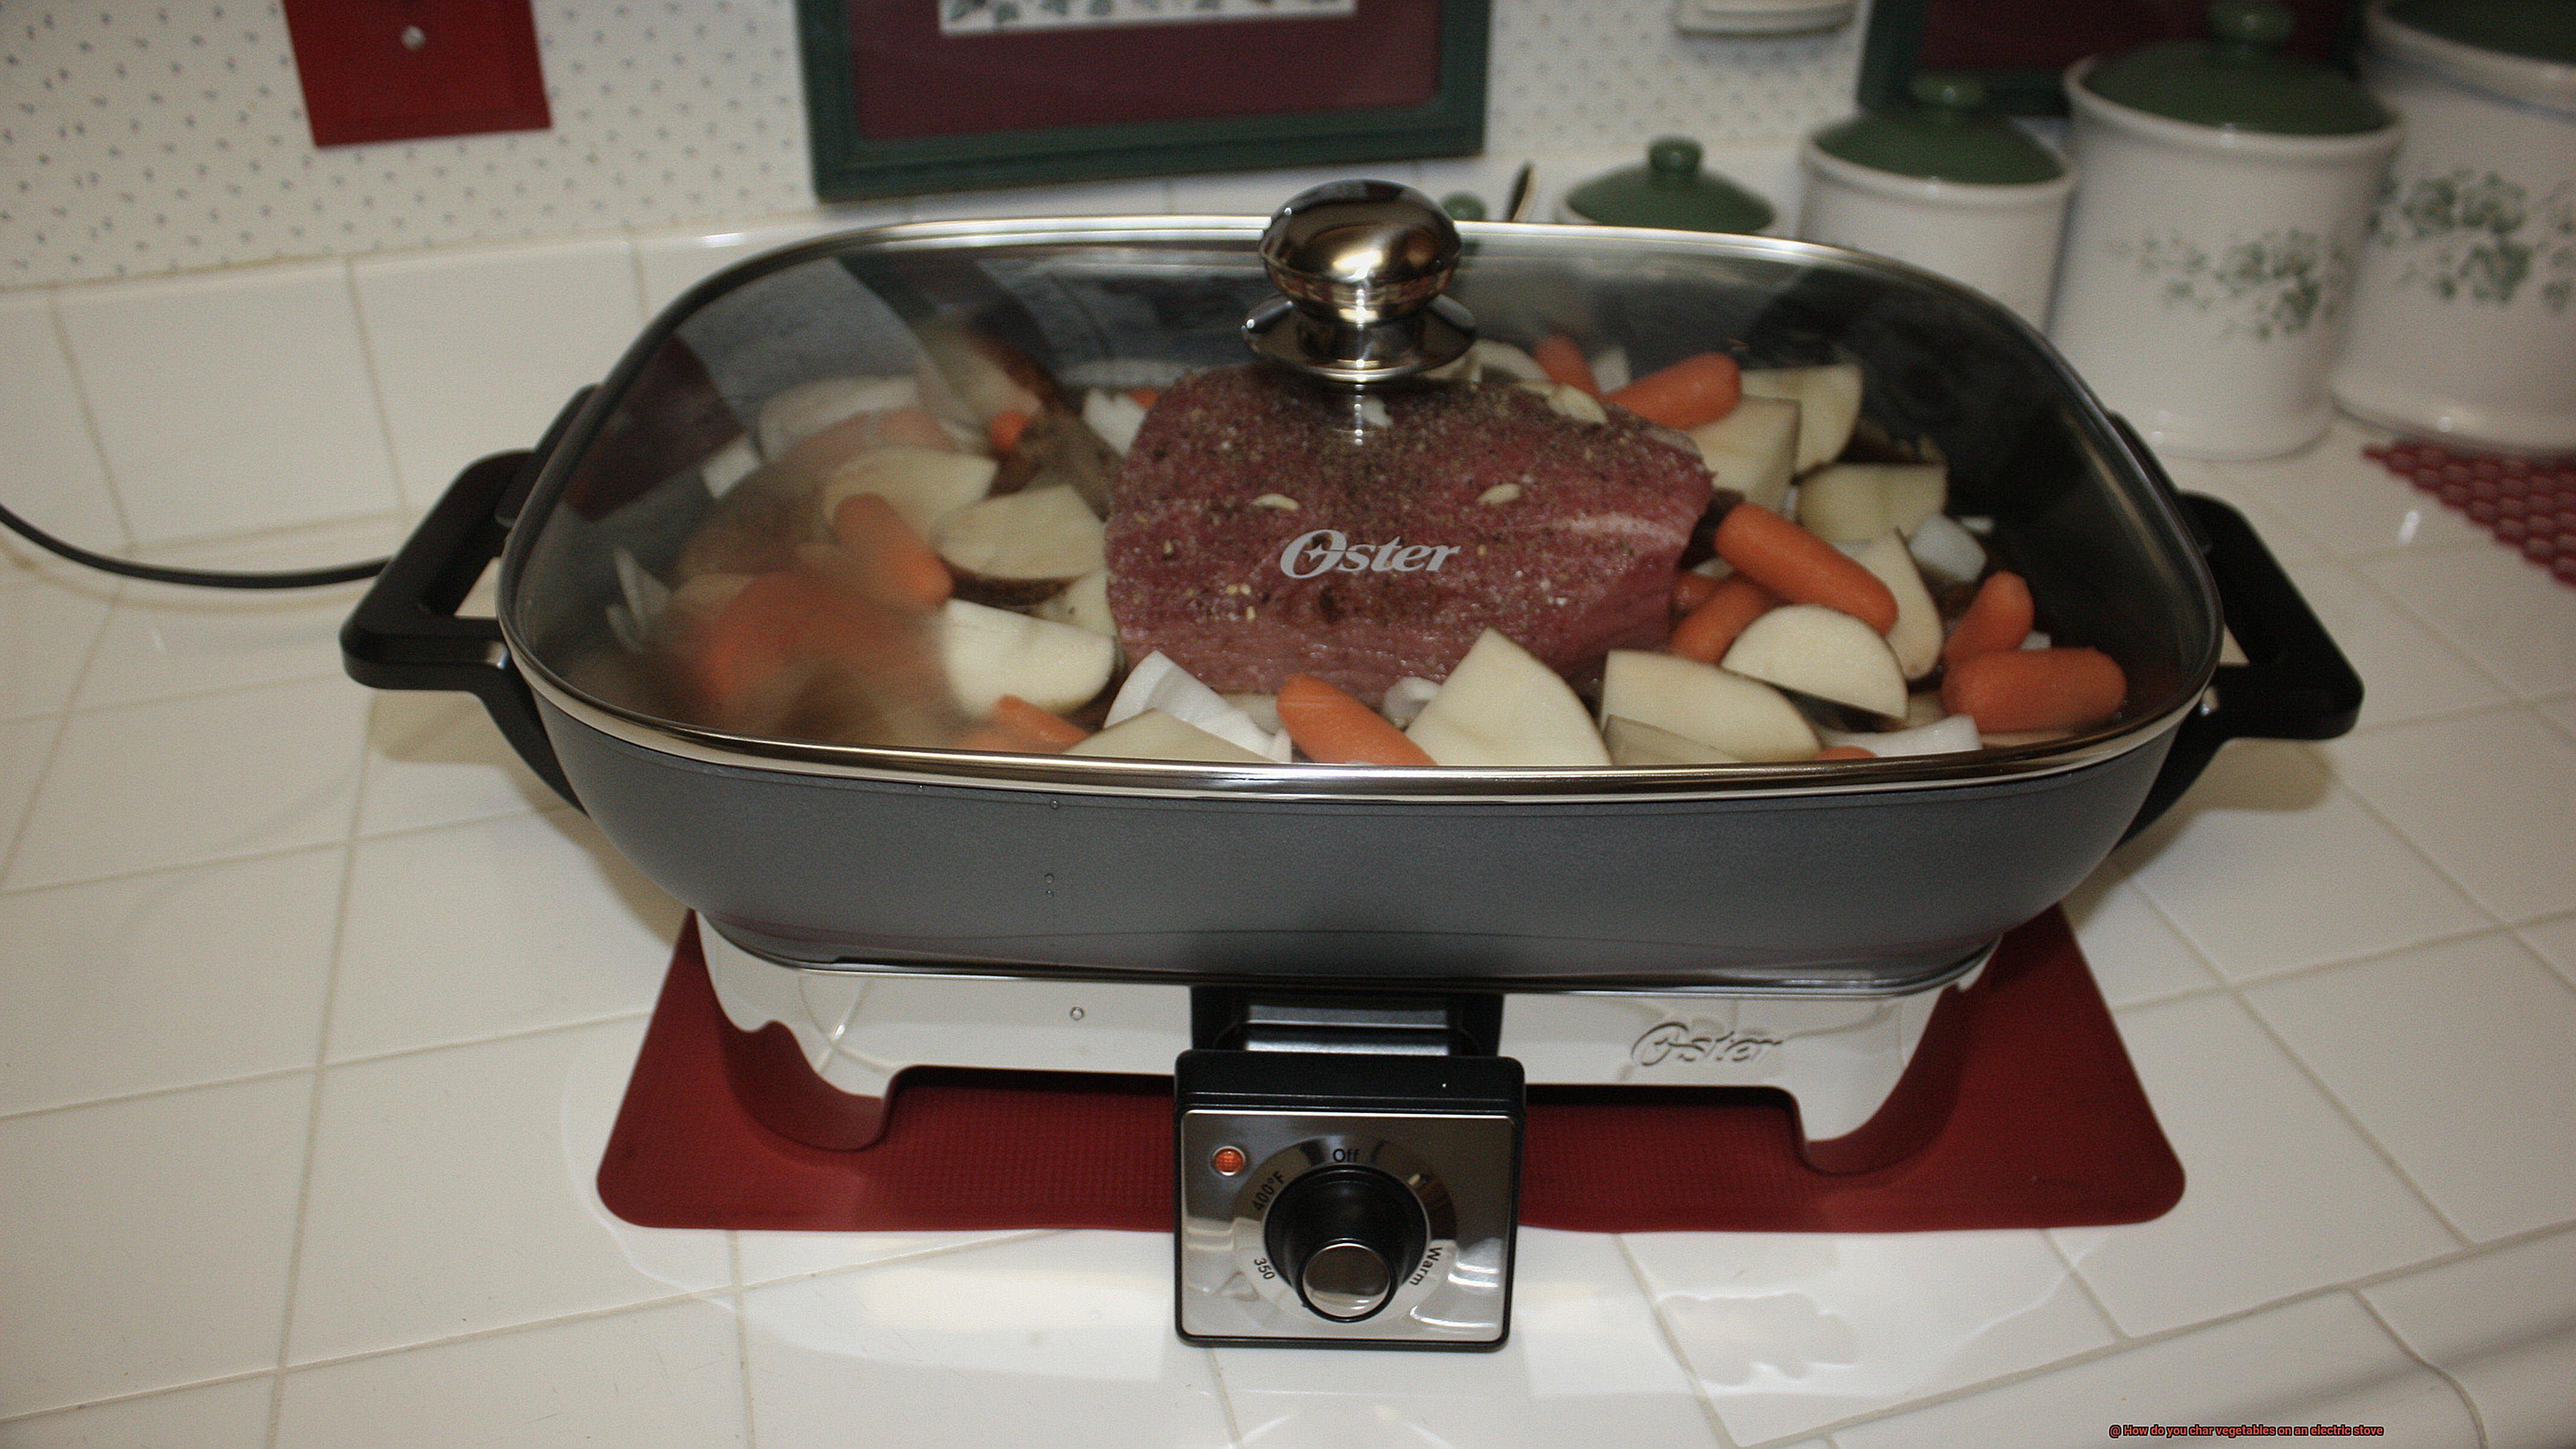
(1360, 266)
(1345, 1235)
(1346, 1281)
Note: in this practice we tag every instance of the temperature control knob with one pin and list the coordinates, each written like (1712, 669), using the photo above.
(1346, 1236)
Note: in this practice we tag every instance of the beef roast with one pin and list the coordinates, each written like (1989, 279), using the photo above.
(1257, 534)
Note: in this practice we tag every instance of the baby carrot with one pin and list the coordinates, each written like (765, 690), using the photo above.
(1003, 432)
(1564, 362)
(1706, 631)
(1145, 397)
(1336, 729)
(1691, 590)
(2034, 689)
(1051, 731)
(993, 739)
(895, 564)
(1845, 752)
(1800, 567)
(1999, 618)
(1694, 391)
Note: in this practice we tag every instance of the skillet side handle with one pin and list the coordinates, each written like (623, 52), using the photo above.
(2294, 685)
(406, 633)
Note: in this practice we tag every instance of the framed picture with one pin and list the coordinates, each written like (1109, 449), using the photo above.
(908, 96)
(2021, 48)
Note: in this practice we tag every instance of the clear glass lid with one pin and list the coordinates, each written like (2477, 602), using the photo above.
(1350, 490)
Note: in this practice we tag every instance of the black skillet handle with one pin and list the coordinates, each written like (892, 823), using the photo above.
(2294, 685)
(406, 633)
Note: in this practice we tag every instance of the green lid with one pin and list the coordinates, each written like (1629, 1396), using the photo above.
(1948, 135)
(1463, 206)
(2532, 29)
(2238, 80)
(1669, 191)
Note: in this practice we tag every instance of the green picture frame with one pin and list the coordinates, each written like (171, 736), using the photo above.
(850, 167)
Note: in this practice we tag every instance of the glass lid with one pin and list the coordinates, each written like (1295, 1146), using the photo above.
(1350, 492)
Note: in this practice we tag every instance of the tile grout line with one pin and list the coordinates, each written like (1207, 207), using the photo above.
(313, 1100)
(53, 750)
(119, 1099)
(2423, 853)
(916, 1255)
(2405, 610)
(2225, 982)
(741, 1333)
(2477, 1420)
(109, 1400)
(1224, 1400)
(522, 1033)
(2353, 1120)
(2236, 993)
(635, 269)
(375, 382)
(1672, 1341)
(2161, 1336)
(2084, 1285)
(35, 788)
(89, 415)
(558, 807)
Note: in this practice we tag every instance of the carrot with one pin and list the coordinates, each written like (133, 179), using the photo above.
(994, 739)
(775, 620)
(1563, 362)
(1050, 730)
(1336, 729)
(1707, 631)
(1145, 397)
(1694, 391)
(1800, 567)
(1845, 752)
(894, 564)
(1999, 618)
(2034, 689)
(1691, 590)
(1003, 432)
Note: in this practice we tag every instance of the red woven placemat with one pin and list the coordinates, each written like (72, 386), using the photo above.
(2529, 504)
(2031, 1115)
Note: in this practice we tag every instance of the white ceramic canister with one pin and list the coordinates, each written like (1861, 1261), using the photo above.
(1947, 186)
(2211, 250)
(2464, 323)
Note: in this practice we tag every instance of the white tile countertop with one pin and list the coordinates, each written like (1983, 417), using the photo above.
(315, 1011)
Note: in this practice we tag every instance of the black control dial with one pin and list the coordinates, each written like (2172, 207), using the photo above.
(1346, 1237)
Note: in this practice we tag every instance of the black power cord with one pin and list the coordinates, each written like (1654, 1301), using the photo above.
(198, 578)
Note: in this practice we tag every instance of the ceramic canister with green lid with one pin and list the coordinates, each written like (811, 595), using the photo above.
(2212, 246)
(2464, 323)
(1946, 185)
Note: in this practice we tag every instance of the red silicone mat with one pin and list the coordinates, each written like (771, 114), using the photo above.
(2529, 504)
(2030, 1113)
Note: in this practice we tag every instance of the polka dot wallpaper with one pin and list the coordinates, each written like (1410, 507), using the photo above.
(149, 136)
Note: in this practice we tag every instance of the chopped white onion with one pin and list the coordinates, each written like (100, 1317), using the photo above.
(1115, 417)
(728, 465)
(1946, 552)
(1942, 737)
(1405, 699)
(1158, 683)
(1610, 369)
(645, 594)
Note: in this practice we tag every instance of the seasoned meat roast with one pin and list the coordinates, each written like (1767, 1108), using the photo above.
(1253, 536)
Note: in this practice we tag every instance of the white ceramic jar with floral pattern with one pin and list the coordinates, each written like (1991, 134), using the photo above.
(2464, 325)
(2212, 247)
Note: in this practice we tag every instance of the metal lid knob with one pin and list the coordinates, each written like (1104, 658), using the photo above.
(1359, 266)
(1346, 1281)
